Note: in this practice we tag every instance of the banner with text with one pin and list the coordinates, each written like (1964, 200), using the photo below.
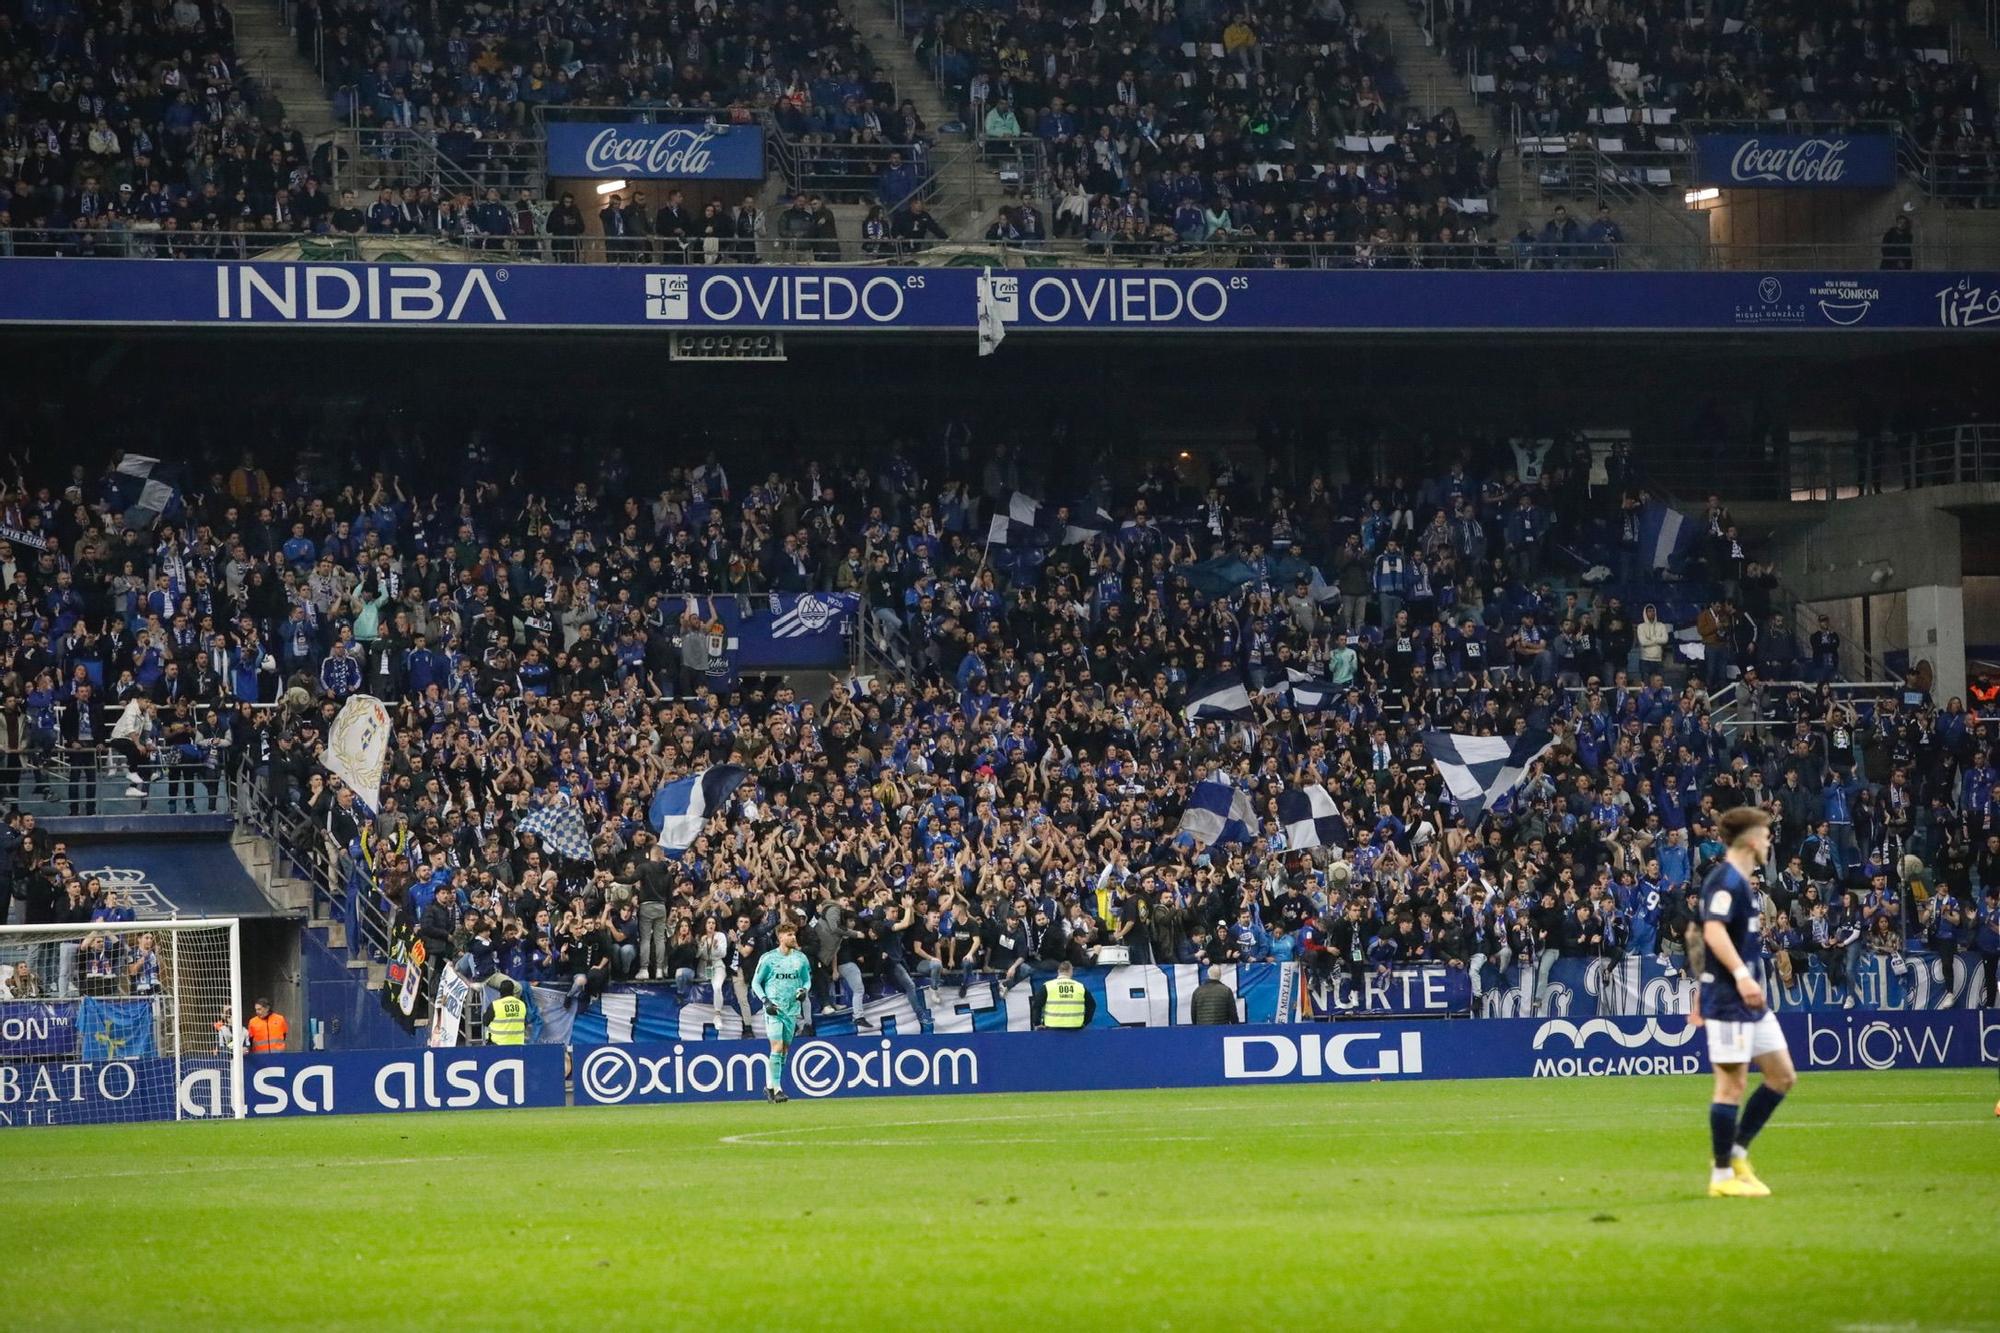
(696, 150)
(1141, 995)
(1641, 984)
(1795, 161)
(1205, 1057)
(367, 1082)
(562, 296)
(37, 1029)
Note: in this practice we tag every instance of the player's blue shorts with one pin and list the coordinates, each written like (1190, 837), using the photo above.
(781, 1024)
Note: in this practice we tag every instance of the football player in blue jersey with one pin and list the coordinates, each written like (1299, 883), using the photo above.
(1741, 1028)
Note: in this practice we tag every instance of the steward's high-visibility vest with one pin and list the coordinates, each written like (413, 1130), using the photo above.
(1062, 1003)
(267, 1035)
(510, 1022)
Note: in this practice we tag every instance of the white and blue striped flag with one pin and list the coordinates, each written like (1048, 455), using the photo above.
(1479, 771)
(1309, 695)
(1665, 534)
(1222, 696)
(1310, 818)
(1219, 811)
(681, 808)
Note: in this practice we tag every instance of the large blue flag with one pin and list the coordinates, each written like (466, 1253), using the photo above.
(116, 1030)
(1665, 534)
(681, 808)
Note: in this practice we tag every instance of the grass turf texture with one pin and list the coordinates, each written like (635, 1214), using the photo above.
(1576, 1204)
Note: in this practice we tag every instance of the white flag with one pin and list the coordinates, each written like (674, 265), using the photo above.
(992, 329)
(356, 747)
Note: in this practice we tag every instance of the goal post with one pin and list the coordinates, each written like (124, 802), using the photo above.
(122, 1021)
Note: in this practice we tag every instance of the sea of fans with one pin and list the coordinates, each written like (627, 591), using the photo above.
(1002, 789)
(1816, 63)
(1198, 125)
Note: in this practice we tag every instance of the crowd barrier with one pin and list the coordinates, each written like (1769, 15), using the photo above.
(655, 1073)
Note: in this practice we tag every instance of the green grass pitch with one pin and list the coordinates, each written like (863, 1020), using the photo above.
(1360, 1206)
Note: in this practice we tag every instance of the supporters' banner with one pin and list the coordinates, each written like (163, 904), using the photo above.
(697, 150)
(1795, 161)
(115, 1030)
(1141, 995)
(1640, 985)
(34, 541)
(37, 1029)
(448, 1012)
(807, 629)
(1402, 990)
(356, 746)
(637, 296)
(1200, 1057)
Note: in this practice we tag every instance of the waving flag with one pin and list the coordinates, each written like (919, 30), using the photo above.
(1310, 818)
(1665, 534)
(1309, 695)
(992, 328)
(115, 1029)
(1480, 770)
(1218, 811)
(681, 808)
(356, 746)
(1222, 696)
(560, 826)
(146, 489)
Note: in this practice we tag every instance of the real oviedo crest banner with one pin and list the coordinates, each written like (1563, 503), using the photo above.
(356, 747)
(1796, 161)
(689, 150)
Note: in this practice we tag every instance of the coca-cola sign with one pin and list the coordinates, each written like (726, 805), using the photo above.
(1796, 161)
(697, 150)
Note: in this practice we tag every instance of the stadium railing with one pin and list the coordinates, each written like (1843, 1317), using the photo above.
(66, 782)
(1219, 252)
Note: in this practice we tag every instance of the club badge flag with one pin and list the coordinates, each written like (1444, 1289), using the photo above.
(357, 746)
(115, 1030)
(1480, 771)
(681, 808)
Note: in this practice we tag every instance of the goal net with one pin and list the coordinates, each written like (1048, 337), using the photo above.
(105, 1022)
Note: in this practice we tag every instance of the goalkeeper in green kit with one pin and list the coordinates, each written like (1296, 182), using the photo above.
(784, 976)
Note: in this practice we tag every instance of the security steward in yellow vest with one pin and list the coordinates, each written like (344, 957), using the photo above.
(507, 1017)
(1065, 1004)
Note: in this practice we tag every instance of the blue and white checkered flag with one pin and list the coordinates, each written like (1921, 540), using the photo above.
(560, 827)
(1479, 771)
(1218, 811)
(1310, 818)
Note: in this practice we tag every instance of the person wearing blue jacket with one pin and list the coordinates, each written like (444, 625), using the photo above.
(1987, 941)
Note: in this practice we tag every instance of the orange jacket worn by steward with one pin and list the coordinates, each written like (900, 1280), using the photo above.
(267, 1035)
